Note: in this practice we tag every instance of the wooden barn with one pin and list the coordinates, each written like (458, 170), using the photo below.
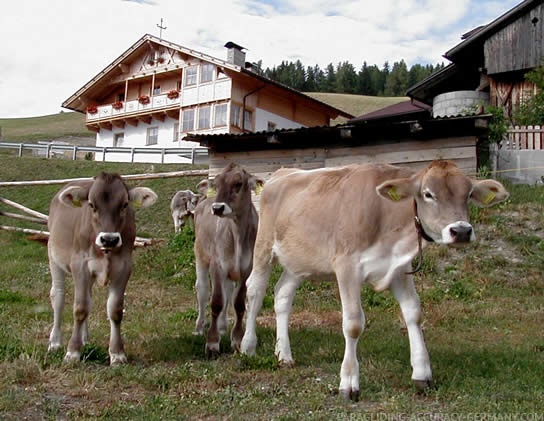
(410, 142)
(489, 64)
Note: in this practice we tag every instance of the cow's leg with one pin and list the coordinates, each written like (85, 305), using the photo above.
(82, 308)
(256, 290)
(217, 305)
(202, 286)
(223, 321)
(353, 324)
(284, 294)
(57, 303)
(115, 308)
(175, 218)
(405, 293)
(239, 308)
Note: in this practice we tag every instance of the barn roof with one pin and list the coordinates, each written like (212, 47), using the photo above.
(397, 111)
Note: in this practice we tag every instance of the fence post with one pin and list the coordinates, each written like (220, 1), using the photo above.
(131, 154)
(20, 150)
(193, 156)
(104, 154)
(74, 153)
(162, 156)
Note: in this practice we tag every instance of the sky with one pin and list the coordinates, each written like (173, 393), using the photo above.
(51, 48)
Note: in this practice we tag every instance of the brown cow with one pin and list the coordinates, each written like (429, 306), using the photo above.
(182, 208)
(92, 232)
(356, 223)
(225, 229)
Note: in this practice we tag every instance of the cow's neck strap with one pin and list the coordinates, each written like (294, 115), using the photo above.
(420, 234)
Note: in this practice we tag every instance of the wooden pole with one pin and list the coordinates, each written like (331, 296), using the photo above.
(23, 217)
(187, 173)
(24, 209)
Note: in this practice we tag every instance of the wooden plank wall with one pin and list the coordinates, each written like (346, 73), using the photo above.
(415, 154)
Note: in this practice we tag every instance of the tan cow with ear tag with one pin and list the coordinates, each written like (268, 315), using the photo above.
(355, 224)
(92, 232)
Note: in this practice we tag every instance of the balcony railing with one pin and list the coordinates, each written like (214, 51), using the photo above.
(157, 102)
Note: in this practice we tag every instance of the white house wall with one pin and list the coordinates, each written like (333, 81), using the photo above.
(262, 117)
(136, 137)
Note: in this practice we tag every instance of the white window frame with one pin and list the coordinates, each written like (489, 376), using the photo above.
(191, 75)
(220, 115)
(188, 124)
(175, 134)
(206, 72)
(204, 117)
(152, 137)
(248, 117)
(235, 111)
(118, 139)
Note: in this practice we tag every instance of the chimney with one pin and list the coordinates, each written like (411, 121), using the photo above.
(235, 55)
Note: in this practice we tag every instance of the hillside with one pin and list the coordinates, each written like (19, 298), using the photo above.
(72, 125)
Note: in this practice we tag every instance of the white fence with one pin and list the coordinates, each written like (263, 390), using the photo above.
(50, 150)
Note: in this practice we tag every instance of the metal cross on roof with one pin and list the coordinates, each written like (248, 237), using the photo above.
(161, 28)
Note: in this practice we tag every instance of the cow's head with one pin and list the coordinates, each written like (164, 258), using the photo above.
(108, 199)
(232, 188)
(441, 195)
(186, 202)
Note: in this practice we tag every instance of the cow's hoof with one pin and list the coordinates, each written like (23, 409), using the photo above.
(286, 363)
(212, 351)
(52, 347)
(198, 332)
(349, 394)
(423, 385)
(118, 359)
(72, 357)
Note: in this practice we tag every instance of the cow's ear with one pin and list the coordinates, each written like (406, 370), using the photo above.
(256, 184)
(202, 187)
(396, 189)
(487, 193)
(74, 196)
(142, 197)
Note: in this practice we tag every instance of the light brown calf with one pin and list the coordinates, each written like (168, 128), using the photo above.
(356, 224)
(182, 208)
(92, 232)
(225, 229)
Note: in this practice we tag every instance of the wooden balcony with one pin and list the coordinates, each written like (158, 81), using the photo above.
(132, 112)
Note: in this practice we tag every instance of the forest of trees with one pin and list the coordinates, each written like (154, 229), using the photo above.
(344, 78)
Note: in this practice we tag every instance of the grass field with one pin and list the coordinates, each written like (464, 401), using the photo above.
(483, 312)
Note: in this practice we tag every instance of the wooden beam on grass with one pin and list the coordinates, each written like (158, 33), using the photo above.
(24, 209)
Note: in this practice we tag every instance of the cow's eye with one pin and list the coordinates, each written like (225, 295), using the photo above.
(238, 186)
(125, 205)
(428, 195)
(92, 207)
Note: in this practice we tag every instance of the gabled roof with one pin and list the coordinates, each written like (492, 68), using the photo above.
(74, 102)
(396, 112)
(477, 37)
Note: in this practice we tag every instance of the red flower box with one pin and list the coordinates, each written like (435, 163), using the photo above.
(144, 99)
(173, 94)
(117, 105)
(92, 109)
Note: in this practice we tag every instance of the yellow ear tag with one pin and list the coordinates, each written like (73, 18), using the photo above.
(489, 198)
(76, 202)
(393, 194)
(211, 192)
(258, 189)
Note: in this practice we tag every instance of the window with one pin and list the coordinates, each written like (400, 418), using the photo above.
(235, 115)
(204, 117)
(121, 97)
(188, 119)
(152, 136)
(190, 75)
(157, 90)
(118, 139)
(271, 126)
(206, 72)
(176, 132)
(220, 115)
(247, 120)
(178, 85)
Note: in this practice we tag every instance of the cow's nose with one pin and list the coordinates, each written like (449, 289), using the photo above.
(461, 233)
(109, 240)
(218, 209)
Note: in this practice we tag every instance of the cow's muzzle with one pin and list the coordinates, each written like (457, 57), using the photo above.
(108, 240)
(221, 209)
(459, 232)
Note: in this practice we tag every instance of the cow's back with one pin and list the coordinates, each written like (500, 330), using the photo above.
(320, 214)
